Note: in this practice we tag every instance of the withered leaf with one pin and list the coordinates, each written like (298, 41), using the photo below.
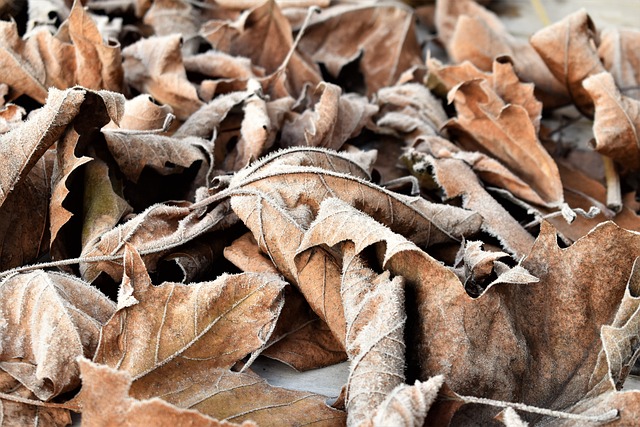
(568, 48)
(24, 217)
(333, 119)
(158, 329)
(174, 17)
(618, 51)
(472, 33)
(370, 29)
(616, 124)
(48, 320)
(154, 233)
(241, 397)
(154, 66)
(264, 35)
(10, 117)
(105, 401)
(507, 132)
(142, 113)
(23, 146)
(205, 121)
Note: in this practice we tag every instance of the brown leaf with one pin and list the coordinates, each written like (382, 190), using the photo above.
(154, 66)
(174, 17)
(49, 319)
(158, 329)
(616, 124)
(472, 33)
(505, 131)
(20, 414)
(272, 196)
(619, 53)
(568, 47)
(24, 217)
(205, 121)
(23, 146)
(143, 113)
(10, 117)
(154, 232)
(264, 36)
(448, 173)
(105, 401)
(381, 36)
(409, 111)
(98, 64)
(333, 119)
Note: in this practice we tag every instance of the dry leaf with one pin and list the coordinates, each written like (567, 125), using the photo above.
(10, 117)
(158, 329)
(333, 119)
(263, 34)
(507, 132)
(472, 33)
(205, 121)
(568, 47)
(616, 124)
(105, 401)
(48, 320)
(174, 17)
(371, 29)
(154, 66)
(143, 113)
(618, 51)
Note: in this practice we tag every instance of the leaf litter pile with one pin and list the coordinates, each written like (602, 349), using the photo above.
(186, 186)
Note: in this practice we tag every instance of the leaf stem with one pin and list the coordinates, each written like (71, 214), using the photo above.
(614, 196)
(33, 402)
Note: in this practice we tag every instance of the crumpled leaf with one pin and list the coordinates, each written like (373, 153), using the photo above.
(159, 329)
(153, 233)
(10, 117)
(290, 195)
(205, 121)
(49, 319)
(333, 119)
(23, 146)
(174, 17)
(300, 339)
(616, 124)
(24, 217)
(370, 28)
(448, 172)
(472, 33)
(105, 400)
(154, 66)
(264, 35)
(618, 51)
(143, 113)
(507, 132)
(568, 47)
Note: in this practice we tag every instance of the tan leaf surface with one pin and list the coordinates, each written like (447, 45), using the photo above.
(154, 66)
(448, 173)
(472, 33)
(153, 233)
(241, 397)
(205, 121)
(24, 217)
(616, 124)
(105, 402)
(506, 131)
(174, 17)
(48, 320)
(159, 329)
(20, 414)
(620, 55)
(143, 113)
(10, 117)
(23, 146)
(300, 339)
(568, 48)
(371, 29)
(98, 63)
(264, 35)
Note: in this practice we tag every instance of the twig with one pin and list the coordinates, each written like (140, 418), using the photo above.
(32, 402)
(614, 195)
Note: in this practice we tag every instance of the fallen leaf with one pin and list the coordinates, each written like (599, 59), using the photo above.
(370, 29)
(105, 401)
(168, 17)
(472, 33)
(48, 320)
(616, 124)
(191, 326)
(143, 113)
(11, 117)
(568, 47)
(619, 54)
(154, 66)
